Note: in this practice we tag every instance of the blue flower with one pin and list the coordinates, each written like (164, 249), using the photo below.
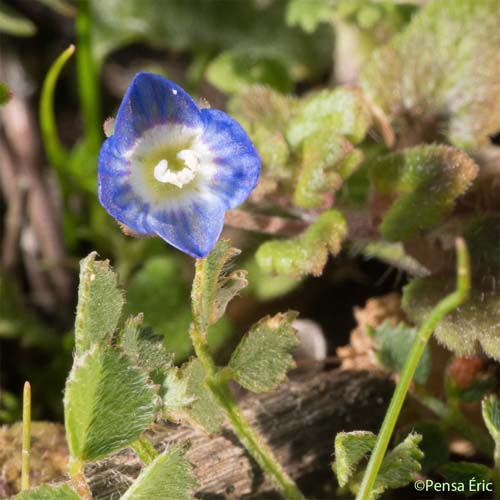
(173, 169)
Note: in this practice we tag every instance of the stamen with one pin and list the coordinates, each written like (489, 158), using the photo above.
(163, 174)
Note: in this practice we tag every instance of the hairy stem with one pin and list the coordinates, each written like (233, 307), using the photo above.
(26, 438)
(444, 307)
(247, 435)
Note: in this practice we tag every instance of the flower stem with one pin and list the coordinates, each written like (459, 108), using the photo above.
(26, 438)
(88, 85)
(144, 450)
(248, 436)
(445, 306)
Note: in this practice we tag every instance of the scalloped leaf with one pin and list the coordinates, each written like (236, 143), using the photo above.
(467, 475)
(215, 285)
(472, 327)
(108, 403)
(442, 72)
(100, 303)
(307, 253)
(168, 477)
(264, 355)
(342, 110)
(426, 181)
(350, 449)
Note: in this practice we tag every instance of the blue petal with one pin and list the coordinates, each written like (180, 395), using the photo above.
(193, 228)
(114, 190)
(236, 159)
(152, 100)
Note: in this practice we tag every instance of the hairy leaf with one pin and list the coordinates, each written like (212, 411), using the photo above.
(319, 176)
(146, 348)
(467, 474)
(472, 327)
(342, 110)
(426, 181)
(168, 477)
(392, 345)
(188, 397)
(215, 285)
(100, 303)
(399, 465)
(442, 73)
(350, 449)
(307, 253)
(264, 355)
(108, 403)
(47, 492)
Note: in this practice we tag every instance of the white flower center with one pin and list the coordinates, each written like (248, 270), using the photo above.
(179, 178)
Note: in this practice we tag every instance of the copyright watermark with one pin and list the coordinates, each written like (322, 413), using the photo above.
(473, 485)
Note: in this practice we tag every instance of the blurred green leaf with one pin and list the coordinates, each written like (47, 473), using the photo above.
(466, 474)
(399, 465)
(215, 284)
(264, 355)
(188, 397)
(491, 417)
(350, 449)
(108, 403)
(5, 93)
(342, 110)
(426, 180)
(392, 345)
(145, 348)
(13, 23)
(233, 70)
(307, 253)
(47, 492)
(432, 78)
(100, 303)
(168, 477)
(309, 13)
(473, 327)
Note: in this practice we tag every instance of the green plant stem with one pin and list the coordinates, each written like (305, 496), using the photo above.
(26, 438)
(445, 306)
(56, 153)
(77, 478)
(88, 84)
(144, 450)
(245, 432)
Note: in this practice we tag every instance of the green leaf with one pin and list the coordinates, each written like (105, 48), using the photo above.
(307, 253)
(215, 285)
(5, 93)
(432, 79)
(392, 345)
(168, 477)
(108, 403)
(426, 181)
(46, 492)
(308, 14)
(466, 475)
(100, 303)
(234, 70)
(13, 23)
(341, 111)
(471, 329)
(264, 355)
(187, 397)
(399, 465)
(350, 449)
(319, 176)
(146, 348)
(491, 417)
